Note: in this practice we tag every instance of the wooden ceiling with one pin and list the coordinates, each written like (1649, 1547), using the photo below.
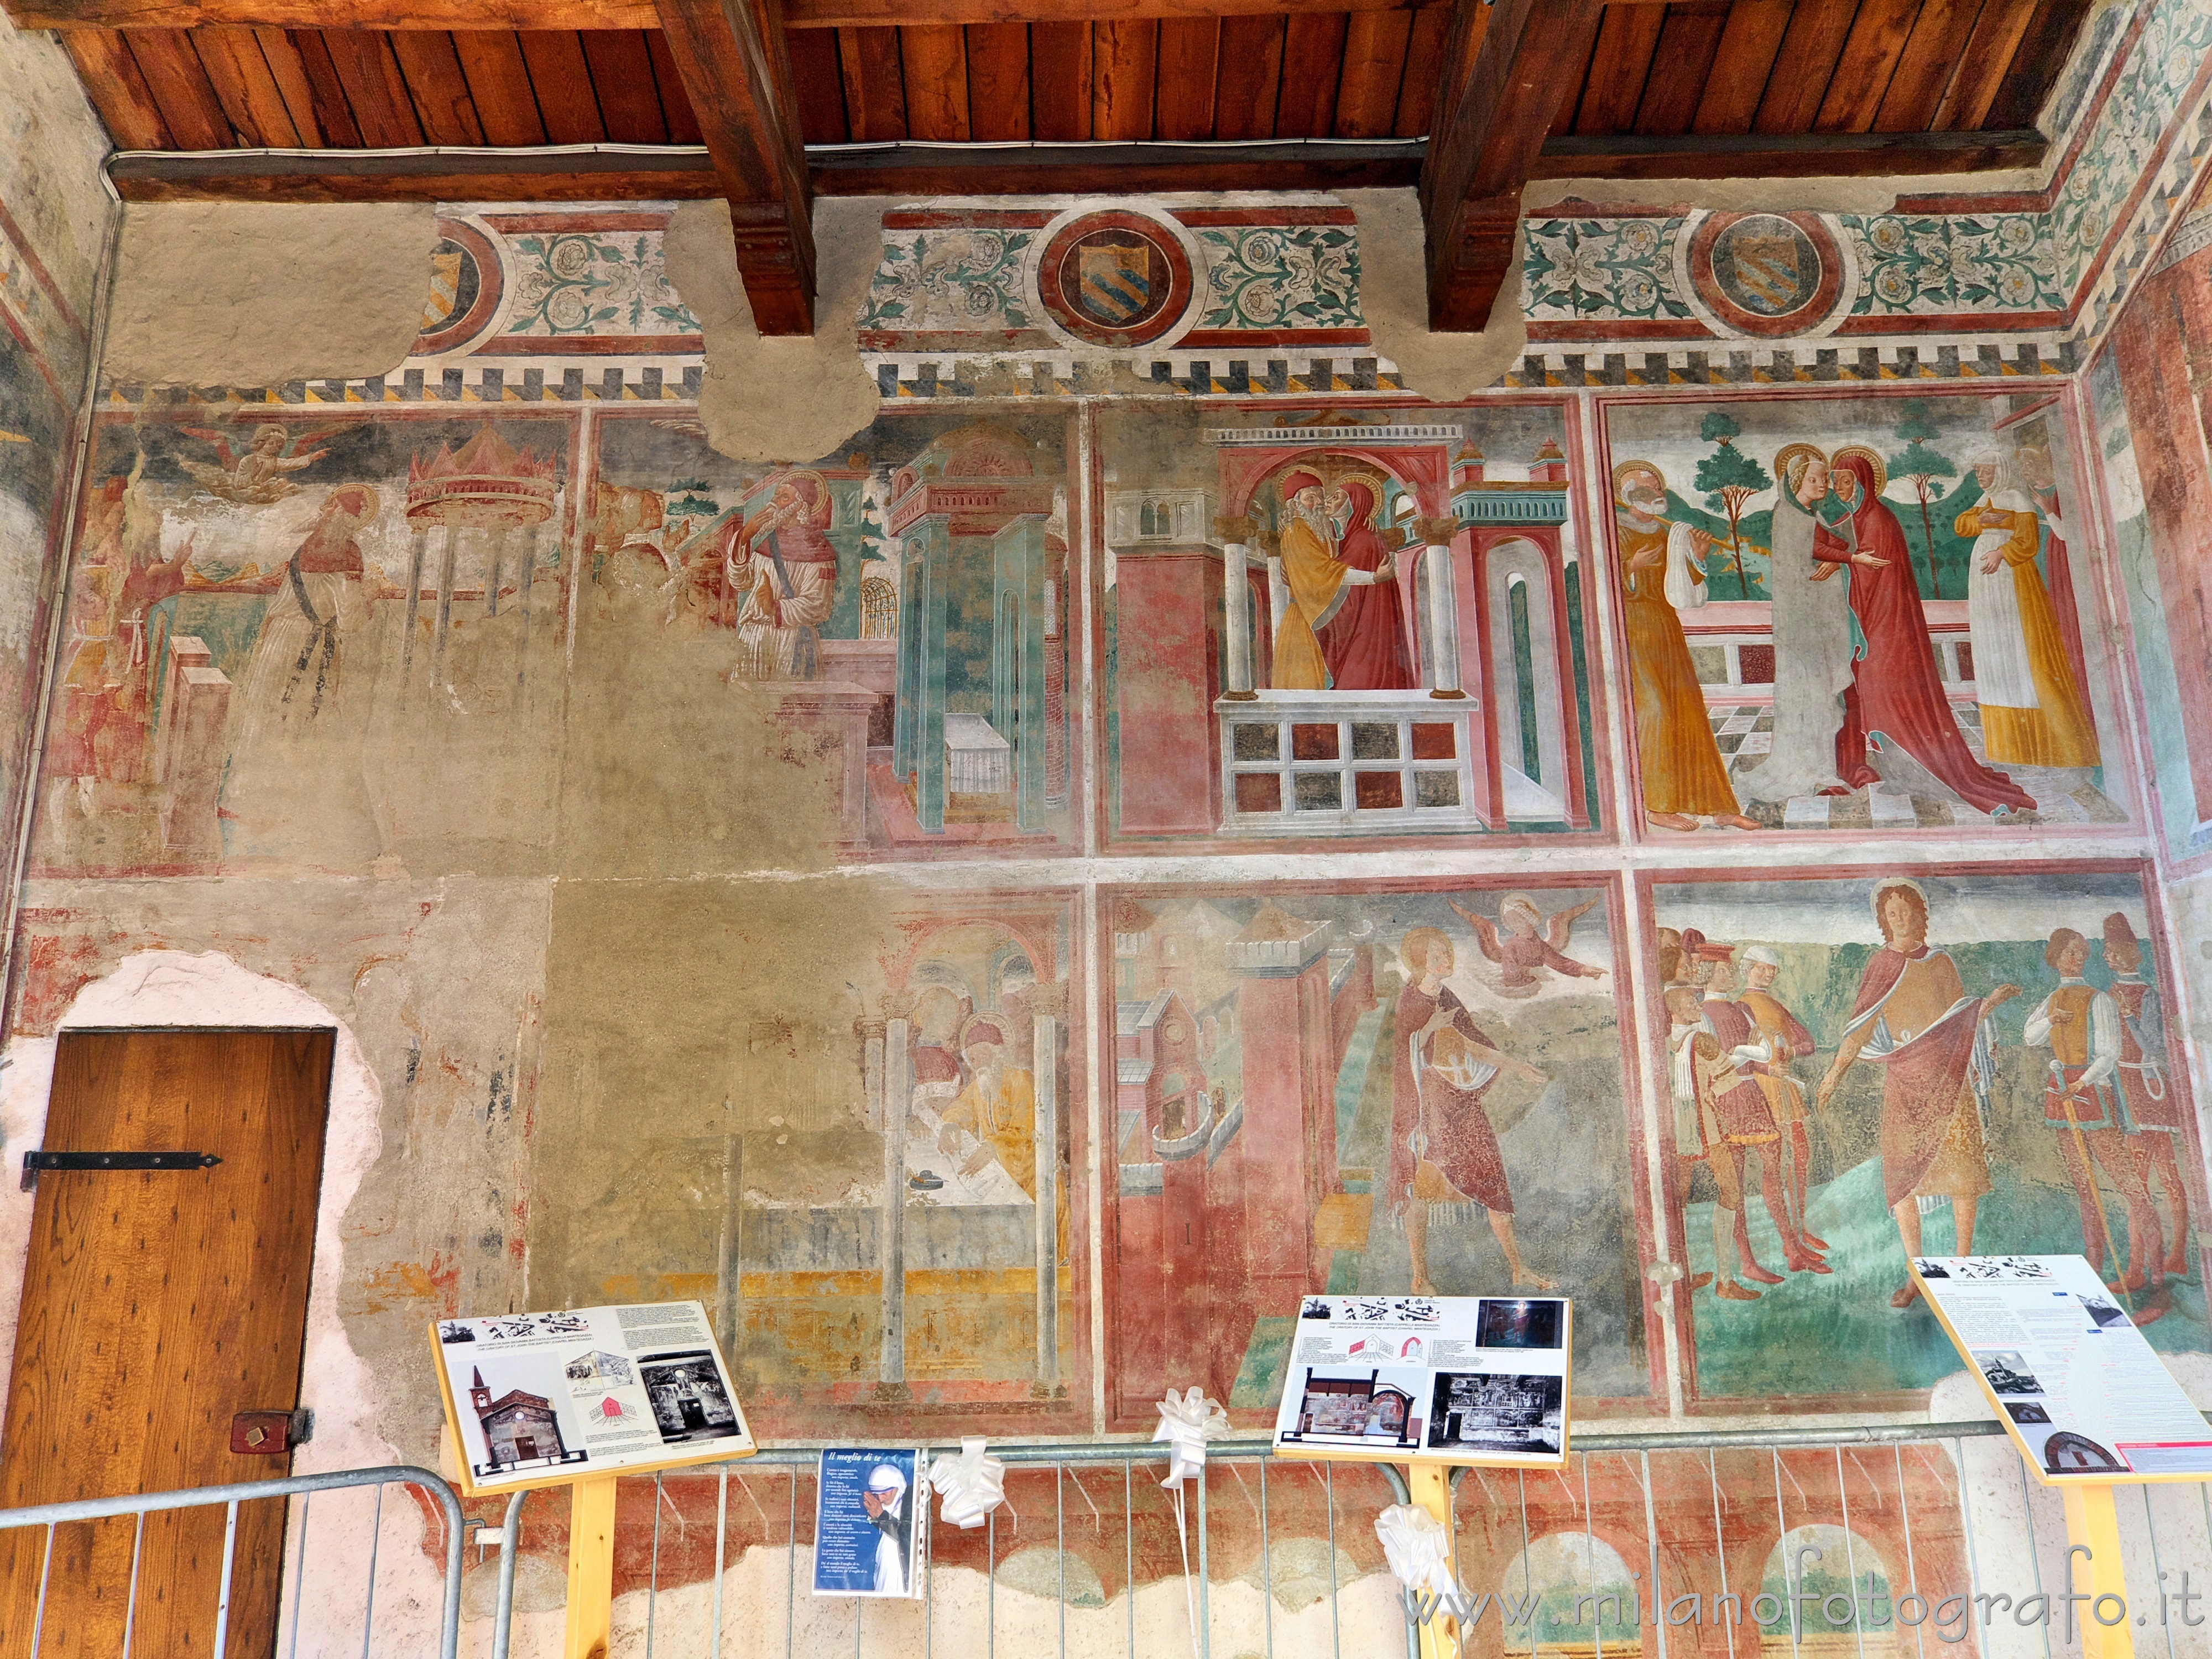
(1471, 99)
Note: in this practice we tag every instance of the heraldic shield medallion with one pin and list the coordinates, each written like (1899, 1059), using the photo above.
(1114, 278)
(1767, 274)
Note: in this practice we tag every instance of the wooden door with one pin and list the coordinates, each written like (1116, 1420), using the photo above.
(156, 1305)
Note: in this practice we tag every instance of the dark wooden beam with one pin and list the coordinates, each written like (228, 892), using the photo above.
(676, 173)
(1528, 55)
(639, 14)
(736, 69)
(1787, 155)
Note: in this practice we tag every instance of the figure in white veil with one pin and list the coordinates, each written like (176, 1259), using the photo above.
(1812, 622)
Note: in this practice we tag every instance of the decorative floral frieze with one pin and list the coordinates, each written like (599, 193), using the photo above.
(951, 281)
(593, 282)
(1602, 270)
(1282, 276)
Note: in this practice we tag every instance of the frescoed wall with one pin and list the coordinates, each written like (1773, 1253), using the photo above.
(1001, 906)
(1401, 1088)
(1863, 1066)
(1867, 615)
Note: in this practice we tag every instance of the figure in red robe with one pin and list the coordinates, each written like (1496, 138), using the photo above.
(1895, 691)
(1365, 642)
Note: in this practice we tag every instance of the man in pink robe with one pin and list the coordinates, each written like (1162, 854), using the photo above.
(1914, 1018)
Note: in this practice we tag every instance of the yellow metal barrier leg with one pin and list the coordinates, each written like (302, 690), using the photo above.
(2092, 1524)
(590, 1568)
(1430, 1486)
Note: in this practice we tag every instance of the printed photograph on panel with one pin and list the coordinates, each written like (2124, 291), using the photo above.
(311, 639)
(1407, 1089)
(1869, 1067)
(1859, 614)
(901, 608)
(857, 1156)
(1283, 658)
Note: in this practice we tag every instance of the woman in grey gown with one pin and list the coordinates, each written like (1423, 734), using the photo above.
(1811, 621)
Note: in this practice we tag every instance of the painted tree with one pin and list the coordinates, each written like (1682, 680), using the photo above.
(1730, 477)
(688, 498)
(1921, 466)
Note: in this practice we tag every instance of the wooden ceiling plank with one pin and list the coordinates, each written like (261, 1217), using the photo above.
(190, 107)
(1810, 47)
(1869, 60)
(1417, 89)
(333, 114)
(1251, 79)
(998, 80)
(1125, 69)
(561, 80)
(248, 91)
(2035, 64)
(375, 90)
(443, 103)
(1935, 54)
(1681, 65)
(1060, 82)
(1190, 67)
(498, 86)
(1481, 158)
(622, 80)
(736, 68)
(1375, 66)
(1982, 62)
(676, 108)
(1313, 62)
(118, 88)
(1618, 68)
(279, 52)
(1750, 47)
(815, 78)
(935, 60)
(875, 86)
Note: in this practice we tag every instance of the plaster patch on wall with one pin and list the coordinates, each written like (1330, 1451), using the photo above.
(1394, 290)
(51, 148)
(822, 393)
(249, 295)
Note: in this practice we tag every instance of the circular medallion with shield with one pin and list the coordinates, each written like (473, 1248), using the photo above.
(1114, 278)
(1767, 274)
(465, 285)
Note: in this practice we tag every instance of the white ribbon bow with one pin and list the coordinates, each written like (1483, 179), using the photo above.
(1186, 1422)
(1418, 1546)
(970, 1486)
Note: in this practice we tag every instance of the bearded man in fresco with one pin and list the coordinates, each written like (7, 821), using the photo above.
(1914, 1018)
(1319, 581)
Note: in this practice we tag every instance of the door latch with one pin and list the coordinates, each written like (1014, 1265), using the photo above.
(35, 1161)
(270, 1434)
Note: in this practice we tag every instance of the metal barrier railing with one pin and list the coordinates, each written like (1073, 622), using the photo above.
(1923, 1514)
(218, 1618)
(1704, 1545)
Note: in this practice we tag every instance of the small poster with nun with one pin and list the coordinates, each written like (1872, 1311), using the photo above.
(868, 1532)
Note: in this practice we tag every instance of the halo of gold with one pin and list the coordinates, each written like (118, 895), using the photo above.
(1627, 467)
(1873, 459)
(1790, 452)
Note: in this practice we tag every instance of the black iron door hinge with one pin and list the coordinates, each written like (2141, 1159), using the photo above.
(58, 1162)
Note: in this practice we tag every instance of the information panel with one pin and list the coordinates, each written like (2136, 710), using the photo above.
(1398, 1379)
(2075, 1383)
(542, 1399)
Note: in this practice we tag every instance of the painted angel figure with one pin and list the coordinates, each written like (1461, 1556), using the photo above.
(1527, 946)
(258, 477)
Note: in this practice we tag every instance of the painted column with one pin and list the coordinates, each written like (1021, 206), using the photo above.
(871, 1034)
(1436, 536)
(416, 544)
(1018, 659)
(1281, 966)
(525, 578)
(935, 537)
(898, 1092)
(1236, 608)
(1047, 1006)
